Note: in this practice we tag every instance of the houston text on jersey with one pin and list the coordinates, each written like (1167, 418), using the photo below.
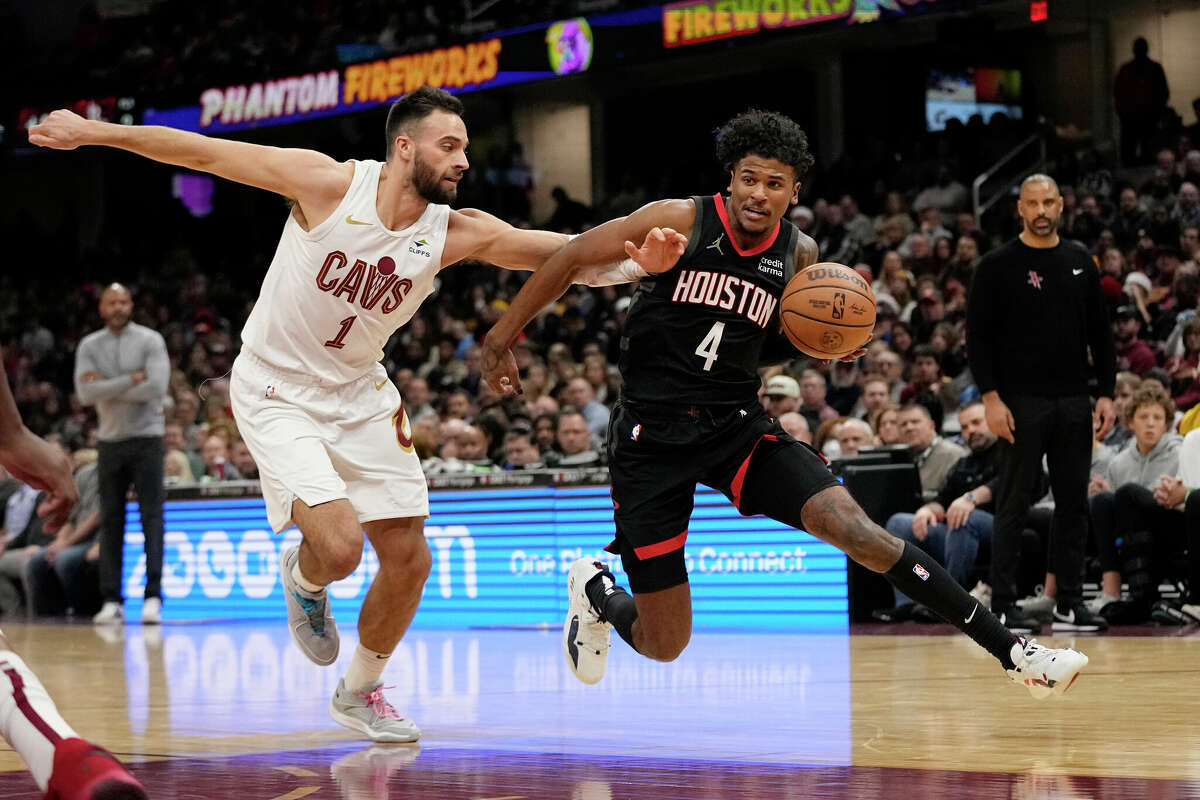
(727, 292)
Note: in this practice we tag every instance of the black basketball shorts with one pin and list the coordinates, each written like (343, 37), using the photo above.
(657, 455)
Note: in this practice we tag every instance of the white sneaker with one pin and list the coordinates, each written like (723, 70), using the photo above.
(309, 617)
(152, 611)
(1043, 670)
(983, 594)
(1097, 603)
(112, 613)
(368, 712)
(1040, 605)
(585, 635)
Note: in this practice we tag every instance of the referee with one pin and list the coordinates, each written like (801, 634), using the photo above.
(1034, 312)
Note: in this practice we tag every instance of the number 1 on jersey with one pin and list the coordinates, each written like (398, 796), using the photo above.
(339, 341)
(708, 346)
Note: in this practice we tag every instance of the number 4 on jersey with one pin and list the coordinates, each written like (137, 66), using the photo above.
(708, 346)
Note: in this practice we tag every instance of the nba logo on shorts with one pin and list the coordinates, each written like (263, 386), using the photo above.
(637, 431)
(920, 572)
(270, 392)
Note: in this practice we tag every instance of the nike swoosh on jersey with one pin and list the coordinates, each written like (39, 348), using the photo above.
(973, 610)
(1076, 272)
(350, 218)
(380, 385)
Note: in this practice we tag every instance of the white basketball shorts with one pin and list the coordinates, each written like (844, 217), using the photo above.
(317, 441)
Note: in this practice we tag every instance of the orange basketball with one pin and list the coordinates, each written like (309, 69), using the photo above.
(827, 311)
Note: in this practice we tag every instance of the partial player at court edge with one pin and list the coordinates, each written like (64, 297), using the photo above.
(689, 414)
(359, 253)
(65, 766)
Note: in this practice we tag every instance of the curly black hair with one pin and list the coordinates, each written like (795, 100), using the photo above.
(766, 134)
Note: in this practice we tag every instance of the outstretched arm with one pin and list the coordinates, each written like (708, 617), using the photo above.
(489, 238)
(662, 227)
(314, 180)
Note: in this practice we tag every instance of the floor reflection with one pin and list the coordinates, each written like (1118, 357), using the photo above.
(234, 711)
(509, 688)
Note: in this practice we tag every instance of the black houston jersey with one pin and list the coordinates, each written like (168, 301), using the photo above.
(694, 333)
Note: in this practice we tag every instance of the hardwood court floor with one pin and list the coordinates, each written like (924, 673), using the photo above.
(234, 711)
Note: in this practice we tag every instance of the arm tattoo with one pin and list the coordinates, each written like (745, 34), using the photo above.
(806, 252)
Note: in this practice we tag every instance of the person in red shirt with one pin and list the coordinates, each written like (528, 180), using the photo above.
(1133, 354)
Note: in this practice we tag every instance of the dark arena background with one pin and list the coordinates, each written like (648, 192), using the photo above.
(805, 676)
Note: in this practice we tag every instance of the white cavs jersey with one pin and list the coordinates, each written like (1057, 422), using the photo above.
(335, 294)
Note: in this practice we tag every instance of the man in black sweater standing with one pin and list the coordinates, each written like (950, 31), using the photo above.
(1034, 312)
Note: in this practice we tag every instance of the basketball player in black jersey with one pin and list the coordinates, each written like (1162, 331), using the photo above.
(689, 414)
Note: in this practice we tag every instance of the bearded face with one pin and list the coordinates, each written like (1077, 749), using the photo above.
(433, 186)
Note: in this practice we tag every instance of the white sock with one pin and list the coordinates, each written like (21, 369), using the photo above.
(304, 583)
(29, 720)
(365, 668)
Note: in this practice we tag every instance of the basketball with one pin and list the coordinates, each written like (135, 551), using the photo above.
(827, 311)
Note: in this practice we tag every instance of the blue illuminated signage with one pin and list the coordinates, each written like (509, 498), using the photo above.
(499, 559)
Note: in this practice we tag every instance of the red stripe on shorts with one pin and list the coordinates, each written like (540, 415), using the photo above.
(661, 548)
(735, 487)
(18, 689)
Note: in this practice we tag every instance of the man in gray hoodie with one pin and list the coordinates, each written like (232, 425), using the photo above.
(1127, 521)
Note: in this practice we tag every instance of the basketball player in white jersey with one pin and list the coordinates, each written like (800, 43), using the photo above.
(65, 766)
(359, 253)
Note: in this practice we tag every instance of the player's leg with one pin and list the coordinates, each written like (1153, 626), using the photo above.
(333, 541)
(663, 626)
(656, 620)
(330, 550)
(653, 467)
(277, 419)
(29, 721)
(777, 485)
(935, 542)
(372, 450)
(387, 611)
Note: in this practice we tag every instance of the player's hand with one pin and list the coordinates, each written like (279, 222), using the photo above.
(1103, 417)
(860, 352)
(138, 376)
(61, 130)
(921, 522)
(855, 356)
(999, 417)
(957, 513)
(499, 369)
(660, 250)
(33, 462)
